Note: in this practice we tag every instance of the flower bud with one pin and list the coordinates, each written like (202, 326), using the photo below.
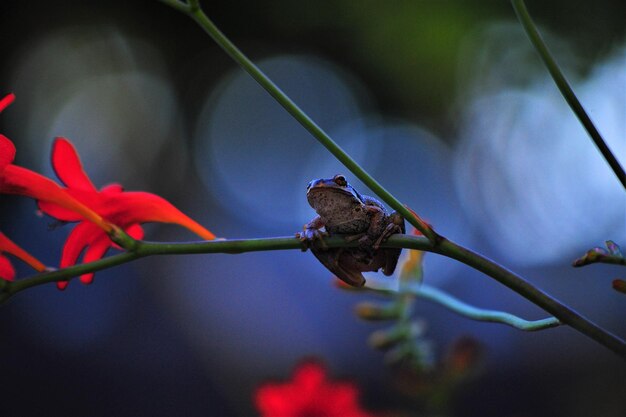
(619, 285)
(373, 311)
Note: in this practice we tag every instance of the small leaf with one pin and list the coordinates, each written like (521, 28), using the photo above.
(402, 332)
(388, 338)
(592, 255)
(373, 311)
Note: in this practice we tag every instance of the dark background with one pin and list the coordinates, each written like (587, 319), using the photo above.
(150, 101)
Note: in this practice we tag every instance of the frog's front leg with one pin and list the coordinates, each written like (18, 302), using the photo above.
(312, 232)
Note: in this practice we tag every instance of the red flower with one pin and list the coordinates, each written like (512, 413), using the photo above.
(126, 210)
(18, 180)
(309, 394)
(6, 269)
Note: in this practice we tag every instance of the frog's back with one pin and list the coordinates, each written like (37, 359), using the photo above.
(371, 201)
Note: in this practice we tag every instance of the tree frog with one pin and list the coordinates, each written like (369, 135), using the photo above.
(341, 209)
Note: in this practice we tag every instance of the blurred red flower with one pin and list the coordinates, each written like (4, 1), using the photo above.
(309, 394)
(6, 269)
(126, 210)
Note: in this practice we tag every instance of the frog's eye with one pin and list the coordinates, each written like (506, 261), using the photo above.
(340, 180)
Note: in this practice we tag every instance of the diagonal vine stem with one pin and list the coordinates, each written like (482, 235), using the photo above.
(195, 12)
(566, 90)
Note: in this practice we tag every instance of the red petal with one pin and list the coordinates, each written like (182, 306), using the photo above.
(6, 245)
(343, 397)
(91, 199)
(6, 100)
(87, 198)
(135, 231)
(94, 252)
(309, 376)
(142, 207)
(68, 167)
(6, 269)
(80, 238)
(274, 400)
(58, 212)
(7, 152)
(83, 235)
(112, 189)
(18, 180)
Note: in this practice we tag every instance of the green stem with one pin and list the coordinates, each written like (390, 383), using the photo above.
(566, 90)
(447, 248)
(209, 27)
(64, 274)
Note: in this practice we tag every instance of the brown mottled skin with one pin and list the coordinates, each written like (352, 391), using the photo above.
(341, 209)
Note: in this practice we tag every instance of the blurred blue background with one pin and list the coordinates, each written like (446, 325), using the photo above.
(445, 103)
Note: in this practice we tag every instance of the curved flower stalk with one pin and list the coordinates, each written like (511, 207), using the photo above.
(7, 272)
(126, 210)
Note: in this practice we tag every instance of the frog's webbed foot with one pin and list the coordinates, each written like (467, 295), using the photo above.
(312, 233)
(311, 237)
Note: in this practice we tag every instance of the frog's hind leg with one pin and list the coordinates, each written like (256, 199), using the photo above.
(391, 229)
(396, 225)
(350, 277)
(331, 260)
